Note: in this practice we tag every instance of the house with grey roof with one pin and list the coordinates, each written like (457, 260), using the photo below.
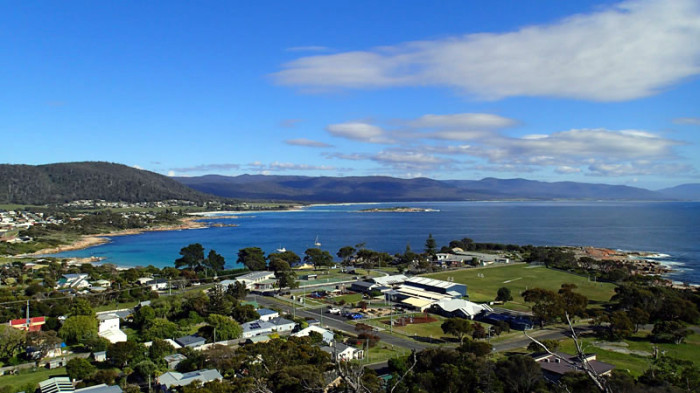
(191, 341)
(554, 366)
(256, 328)
(174, 359)
(101, 388)
(174, 379)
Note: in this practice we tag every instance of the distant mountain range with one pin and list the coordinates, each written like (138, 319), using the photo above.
(65, 182)
(387, 189)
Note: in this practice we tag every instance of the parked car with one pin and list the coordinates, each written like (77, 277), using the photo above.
(334, 310)
(355, 316)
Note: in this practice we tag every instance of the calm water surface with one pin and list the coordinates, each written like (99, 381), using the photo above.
(668, 228)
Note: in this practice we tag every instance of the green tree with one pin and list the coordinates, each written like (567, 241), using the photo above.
(288, 256)
(503, 295)
(620, 325)
(143, 316)
(146, 369)
(638, 317)
(244, 313)
(238, 290)
(78, 329)
(125, 353)
(80, 306)
(478, 348)
(160, 328)
(345, 253)
(224, 327)
(318, 257)
(45, 341)
(78, 368)
(458, 327)
(252, 257)
(520, 373)
(192, 257)
(430, 246)
(278, 265)
(548, 306)
(287, 279)
(158, 349)
(11, 341)
(215, 261)
(552, 345)
(670, 332)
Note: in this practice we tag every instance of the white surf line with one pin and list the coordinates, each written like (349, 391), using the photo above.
(515, 279)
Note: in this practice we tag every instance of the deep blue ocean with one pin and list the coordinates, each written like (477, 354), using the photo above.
(669, 228)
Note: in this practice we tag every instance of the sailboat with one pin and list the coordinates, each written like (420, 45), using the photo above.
(281, 249)
(316, 242)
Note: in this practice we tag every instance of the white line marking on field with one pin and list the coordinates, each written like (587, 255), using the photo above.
(515, 279)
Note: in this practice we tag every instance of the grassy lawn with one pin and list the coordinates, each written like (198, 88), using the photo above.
(520, 277)
(350, 298)
(112, 306)
(383, 352)
(19, 381)
(637, 363)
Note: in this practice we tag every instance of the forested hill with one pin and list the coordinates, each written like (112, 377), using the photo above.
(64, 182)
(389, 189)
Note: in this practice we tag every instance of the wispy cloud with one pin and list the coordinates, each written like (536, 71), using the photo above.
(694, 121)
(359, 131)
(207, 168)
(306, 142)
(622, 52)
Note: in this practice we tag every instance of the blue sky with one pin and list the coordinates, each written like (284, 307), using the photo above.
(592, 91)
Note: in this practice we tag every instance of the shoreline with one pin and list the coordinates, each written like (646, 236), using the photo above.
(88, 241)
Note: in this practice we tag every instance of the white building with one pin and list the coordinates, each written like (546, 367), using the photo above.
(109, 328)
(253, 278)
(325, 333)
(342, 353)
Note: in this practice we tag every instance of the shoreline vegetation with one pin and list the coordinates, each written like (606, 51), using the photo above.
(88, 241)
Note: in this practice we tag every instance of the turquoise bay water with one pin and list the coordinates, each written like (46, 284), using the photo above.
(669, 228)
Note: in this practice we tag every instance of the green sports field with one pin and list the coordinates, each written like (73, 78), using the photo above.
(483, 283)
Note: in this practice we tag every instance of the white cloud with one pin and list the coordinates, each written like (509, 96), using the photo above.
(694, 121)
(306, 142)
(469, 121)
(630, 50)
(359, 131)
(171, 173)
(566, 170)
(137, 167)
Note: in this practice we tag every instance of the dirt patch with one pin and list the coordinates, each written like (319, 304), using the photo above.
(403, 321)
(620, 347)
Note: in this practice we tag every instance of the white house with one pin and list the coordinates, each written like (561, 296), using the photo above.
(266, 314)
(325, 333)
(109, 328)
(459, 308)
(342, 353)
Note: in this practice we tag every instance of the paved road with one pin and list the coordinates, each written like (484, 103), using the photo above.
(338, 323)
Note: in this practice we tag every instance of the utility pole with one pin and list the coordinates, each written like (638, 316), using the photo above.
(28, 320)
(170, 288)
